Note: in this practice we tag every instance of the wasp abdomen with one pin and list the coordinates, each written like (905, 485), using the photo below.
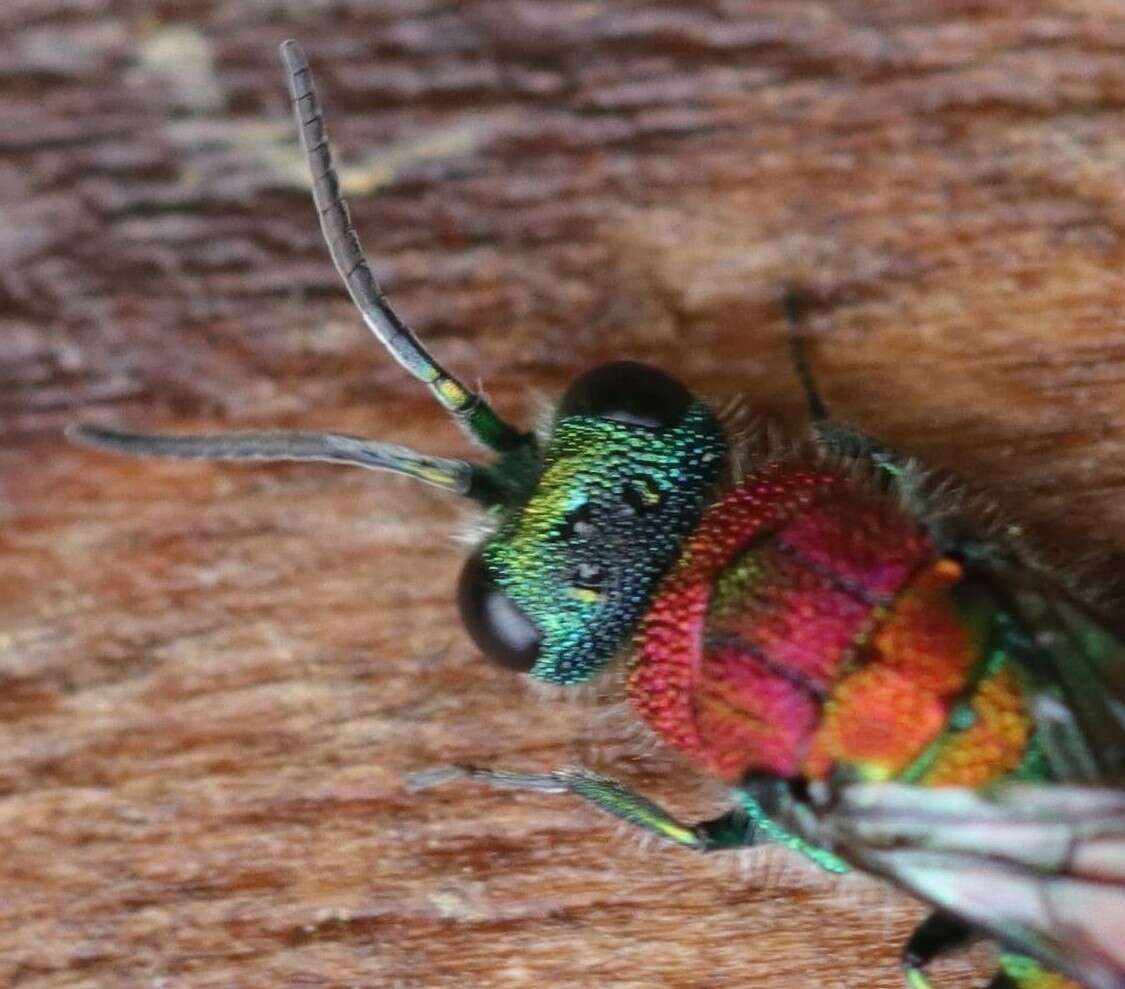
(808, 623)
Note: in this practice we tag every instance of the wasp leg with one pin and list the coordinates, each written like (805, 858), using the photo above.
(894, 469)
(818, 411)
(937, 935)
(834, 437)
(1021, 972)
(941, 933)
(767, 800)
(734, 829)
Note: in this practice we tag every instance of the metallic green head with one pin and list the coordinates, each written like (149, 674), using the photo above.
(630, 463)
(585, 524)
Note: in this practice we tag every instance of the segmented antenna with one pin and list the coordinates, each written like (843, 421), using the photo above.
(456, 476)
(502, 483)
(468, 408)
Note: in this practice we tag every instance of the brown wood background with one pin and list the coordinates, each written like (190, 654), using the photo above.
(213, 679)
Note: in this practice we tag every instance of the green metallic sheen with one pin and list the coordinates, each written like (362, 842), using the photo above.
(612, 504)
(769, 830)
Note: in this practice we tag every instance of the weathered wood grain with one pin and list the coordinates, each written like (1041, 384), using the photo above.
(213, 680)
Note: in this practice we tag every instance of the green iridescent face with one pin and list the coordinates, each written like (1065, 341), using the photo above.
(631, 463)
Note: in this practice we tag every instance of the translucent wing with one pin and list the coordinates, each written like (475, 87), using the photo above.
(1040, 868)
(1073, 669)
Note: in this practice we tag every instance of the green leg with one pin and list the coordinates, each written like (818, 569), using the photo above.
(833, 436)
(836, 438)
(767, 800)
(937, 935)
(941, 933)
(734, 829)
(1021, 972)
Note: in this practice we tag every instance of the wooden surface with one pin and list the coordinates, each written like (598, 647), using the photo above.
(214, 679)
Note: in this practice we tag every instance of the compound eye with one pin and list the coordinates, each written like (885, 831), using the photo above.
(494, 621)
(628, 392)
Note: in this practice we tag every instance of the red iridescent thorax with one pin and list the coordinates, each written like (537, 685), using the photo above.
(808, 622)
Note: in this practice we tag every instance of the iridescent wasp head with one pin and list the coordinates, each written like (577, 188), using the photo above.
(583, 521)
(626, 470)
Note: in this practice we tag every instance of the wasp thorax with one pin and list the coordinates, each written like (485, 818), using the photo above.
(630, 464)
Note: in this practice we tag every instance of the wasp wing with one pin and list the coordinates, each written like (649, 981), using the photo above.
(1039, 868)
(1073, 669)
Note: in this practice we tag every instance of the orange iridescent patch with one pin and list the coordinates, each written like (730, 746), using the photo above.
(882, 715)
(993, 744)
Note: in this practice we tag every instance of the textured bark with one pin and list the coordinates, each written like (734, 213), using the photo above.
(213, 679)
